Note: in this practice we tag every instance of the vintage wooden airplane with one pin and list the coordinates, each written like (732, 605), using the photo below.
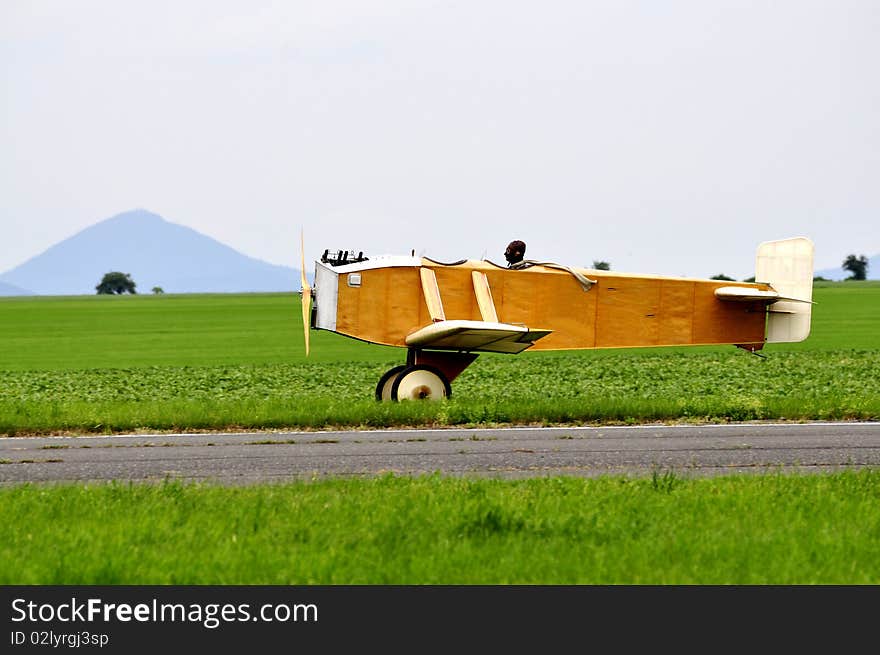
(444, 314)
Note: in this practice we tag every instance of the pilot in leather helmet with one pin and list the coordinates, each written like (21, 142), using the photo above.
(515, 252)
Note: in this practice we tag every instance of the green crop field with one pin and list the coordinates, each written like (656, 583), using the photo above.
(110, 364)
(113, 364)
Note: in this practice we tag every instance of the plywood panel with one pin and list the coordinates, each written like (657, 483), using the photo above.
(627, 312)
(676, 315)
(565, 307)
(518, 297)
(348, 308)
(717, 321)
(407, 308)
(387, 306)
(457, 291)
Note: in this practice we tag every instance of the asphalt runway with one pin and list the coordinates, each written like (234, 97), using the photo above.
(258, 457)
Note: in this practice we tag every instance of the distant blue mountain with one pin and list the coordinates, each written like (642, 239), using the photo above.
(155, 252)
(9, 290)
(840, 274)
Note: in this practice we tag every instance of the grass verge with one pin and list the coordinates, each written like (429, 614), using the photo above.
(771, 529)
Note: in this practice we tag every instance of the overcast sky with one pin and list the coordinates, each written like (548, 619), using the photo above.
(663, 136)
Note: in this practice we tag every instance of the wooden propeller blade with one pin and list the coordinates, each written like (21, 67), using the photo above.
(306, 294)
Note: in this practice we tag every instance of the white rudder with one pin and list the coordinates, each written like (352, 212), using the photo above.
(787, 266)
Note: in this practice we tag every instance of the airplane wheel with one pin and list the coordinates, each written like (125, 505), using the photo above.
(420, 382)
(383, 389)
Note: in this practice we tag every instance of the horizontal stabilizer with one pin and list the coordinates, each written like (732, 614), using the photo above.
(749, 294)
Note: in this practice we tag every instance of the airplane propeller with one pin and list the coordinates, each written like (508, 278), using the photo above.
(306, 293)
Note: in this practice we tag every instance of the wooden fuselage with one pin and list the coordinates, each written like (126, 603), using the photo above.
(618, 311)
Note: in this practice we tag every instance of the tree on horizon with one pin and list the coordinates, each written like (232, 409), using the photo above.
(116, 283)
(858, 266)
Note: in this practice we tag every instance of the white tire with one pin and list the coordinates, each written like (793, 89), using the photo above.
(420, 383)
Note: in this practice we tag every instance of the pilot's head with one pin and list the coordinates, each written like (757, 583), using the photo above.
(515, 252)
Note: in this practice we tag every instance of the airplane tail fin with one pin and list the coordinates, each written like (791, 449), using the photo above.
(787, 266)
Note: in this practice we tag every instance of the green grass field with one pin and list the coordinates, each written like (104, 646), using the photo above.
(96, 332)
(102, 364)
(88, 332)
